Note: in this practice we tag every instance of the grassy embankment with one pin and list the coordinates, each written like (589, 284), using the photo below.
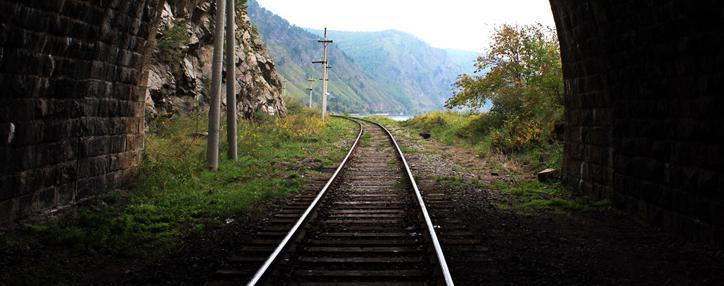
(176, 196)
(469, 131)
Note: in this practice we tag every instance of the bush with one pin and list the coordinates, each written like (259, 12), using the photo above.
(172, 43)
(516, 135)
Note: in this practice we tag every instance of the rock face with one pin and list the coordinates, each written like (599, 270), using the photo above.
(179, 75)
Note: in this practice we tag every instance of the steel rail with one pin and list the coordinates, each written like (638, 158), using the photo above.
(428, 221)
(282, 245)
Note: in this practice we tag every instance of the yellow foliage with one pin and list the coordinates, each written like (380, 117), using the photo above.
(302, 125)
(516, 134)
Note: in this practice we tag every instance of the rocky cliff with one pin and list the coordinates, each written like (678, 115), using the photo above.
(179, 75)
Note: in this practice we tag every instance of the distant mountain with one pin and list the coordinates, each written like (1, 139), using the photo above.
(464, 59)
(293, 49)
(388, 71)
(421, 76)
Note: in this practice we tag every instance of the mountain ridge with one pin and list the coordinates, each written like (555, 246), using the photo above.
(387, 71)
(293, 49)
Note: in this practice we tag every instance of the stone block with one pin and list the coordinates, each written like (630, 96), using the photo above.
(134, 142)
(93, 146)
(123, 91)
(46, 199)
(26, 205)
(92, 167)
(8, 211)
(123, 161)
(10, 186)
(117, 144)
(92, 186)
(65, 194)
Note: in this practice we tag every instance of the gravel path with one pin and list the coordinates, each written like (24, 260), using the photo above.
(586, 248)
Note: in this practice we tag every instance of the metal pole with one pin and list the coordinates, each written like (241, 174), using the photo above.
(231, 80)
(212, 151)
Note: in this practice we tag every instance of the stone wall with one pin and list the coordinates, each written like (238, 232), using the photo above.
(645, 109)
(71, 98)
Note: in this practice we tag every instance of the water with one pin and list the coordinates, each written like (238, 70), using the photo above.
(399, 117)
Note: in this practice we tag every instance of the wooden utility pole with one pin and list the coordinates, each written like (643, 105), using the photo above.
(310, 89)
(212, 149)
(231, 80)
(325, 73)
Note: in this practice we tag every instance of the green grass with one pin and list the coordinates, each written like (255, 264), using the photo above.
(176, 196)
(471, 131)
(528, 197)
(532, 197)
(451, 128)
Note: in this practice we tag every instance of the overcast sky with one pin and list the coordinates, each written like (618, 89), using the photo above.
(459, 24)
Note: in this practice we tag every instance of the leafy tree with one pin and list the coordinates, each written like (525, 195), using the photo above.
(521, 76)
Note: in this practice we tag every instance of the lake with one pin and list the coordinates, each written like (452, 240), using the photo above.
(399, 117)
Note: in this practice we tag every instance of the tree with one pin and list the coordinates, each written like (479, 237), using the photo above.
(521, 76)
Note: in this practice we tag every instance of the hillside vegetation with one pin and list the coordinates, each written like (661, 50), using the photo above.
(524, 83)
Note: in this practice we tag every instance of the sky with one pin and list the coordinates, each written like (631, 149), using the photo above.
(456, 24)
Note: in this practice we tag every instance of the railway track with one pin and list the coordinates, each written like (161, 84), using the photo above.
(367, 226)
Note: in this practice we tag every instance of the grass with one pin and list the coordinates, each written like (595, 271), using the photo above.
(532, 197)
(469, 131)
(451, 128)
(176, 196)
(529, 197)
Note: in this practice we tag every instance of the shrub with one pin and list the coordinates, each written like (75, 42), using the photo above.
(516, 135)
(172, 43)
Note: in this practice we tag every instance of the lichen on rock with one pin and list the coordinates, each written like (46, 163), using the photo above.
(180, 70)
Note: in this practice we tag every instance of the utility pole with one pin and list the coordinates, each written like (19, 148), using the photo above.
(212, 149)
(325, 73)
(310, 89)
(284, 88)
(231, 80)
